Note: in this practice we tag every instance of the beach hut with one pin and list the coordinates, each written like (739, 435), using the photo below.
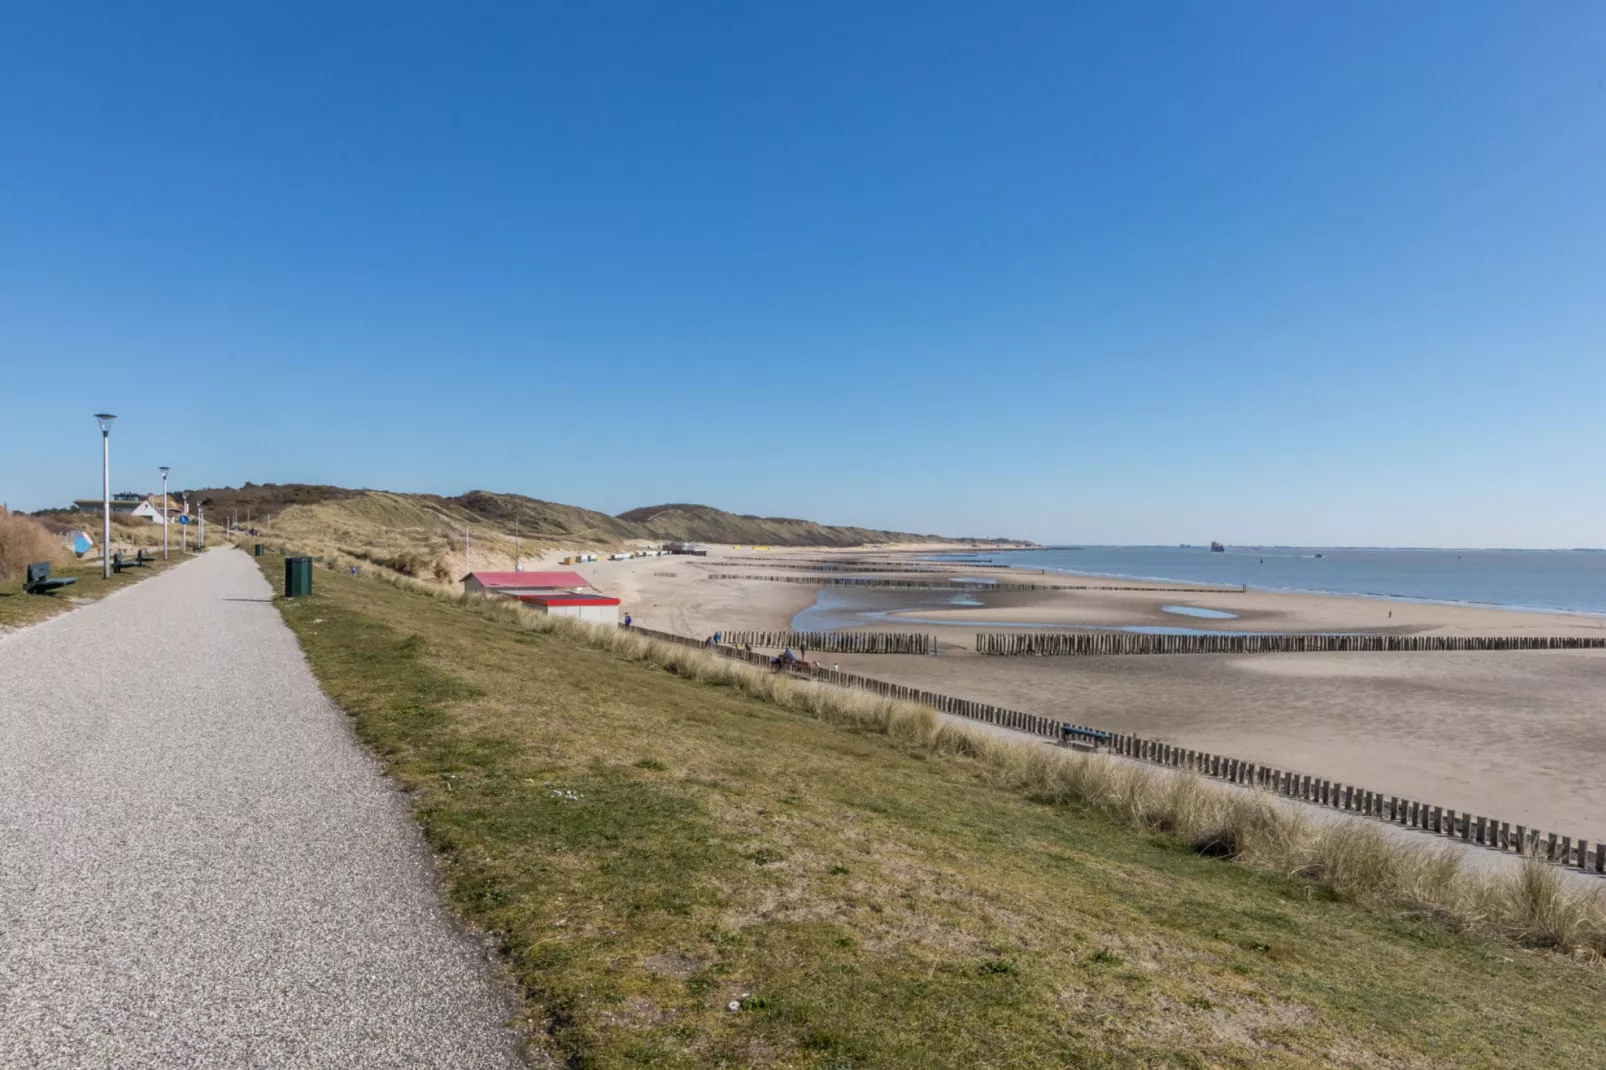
(591, 608)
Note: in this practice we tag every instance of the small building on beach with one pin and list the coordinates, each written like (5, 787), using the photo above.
(591, 608)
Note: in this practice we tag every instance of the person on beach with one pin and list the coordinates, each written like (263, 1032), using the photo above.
(627, 620)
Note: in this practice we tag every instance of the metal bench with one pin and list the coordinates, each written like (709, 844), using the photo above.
(140, 560)
(40, 582)
(1088, 739)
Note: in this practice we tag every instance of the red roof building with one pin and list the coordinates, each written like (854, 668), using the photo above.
(591, 608)
(517, 583)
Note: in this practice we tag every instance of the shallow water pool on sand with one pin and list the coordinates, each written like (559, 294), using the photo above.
(1196, 611)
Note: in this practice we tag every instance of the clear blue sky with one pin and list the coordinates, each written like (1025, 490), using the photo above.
(1161, 272)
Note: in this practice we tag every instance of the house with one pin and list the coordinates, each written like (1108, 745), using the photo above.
(561, 594)
(125, 503)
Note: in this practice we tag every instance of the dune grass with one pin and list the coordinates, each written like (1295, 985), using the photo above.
(654, 834)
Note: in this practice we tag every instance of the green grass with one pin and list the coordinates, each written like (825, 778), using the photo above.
(18, 608)
(650, 849)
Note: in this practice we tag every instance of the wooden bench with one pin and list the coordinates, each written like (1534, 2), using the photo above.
(40, 582)
(140, 560)
(1088, 739)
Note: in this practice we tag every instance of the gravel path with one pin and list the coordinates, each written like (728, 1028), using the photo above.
(199, 867)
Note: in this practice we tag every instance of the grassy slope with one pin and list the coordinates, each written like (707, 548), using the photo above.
(877, 906)
(422, 535)
(17, 608)
(371, 518)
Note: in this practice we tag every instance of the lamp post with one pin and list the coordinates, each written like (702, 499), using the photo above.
(105, 420)
(165, 517)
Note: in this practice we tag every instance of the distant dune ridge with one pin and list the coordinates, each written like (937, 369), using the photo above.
(422, 534)
(539, 519)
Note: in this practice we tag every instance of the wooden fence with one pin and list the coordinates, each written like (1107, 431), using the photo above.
(962, 585)
(836, 642)
(1396, 810)
(1042, 644)
(1362, 802)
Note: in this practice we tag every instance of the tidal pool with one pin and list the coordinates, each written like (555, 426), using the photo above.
(1196, 611)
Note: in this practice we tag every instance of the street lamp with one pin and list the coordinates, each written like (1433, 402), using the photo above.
(105, 420)
(165, 516)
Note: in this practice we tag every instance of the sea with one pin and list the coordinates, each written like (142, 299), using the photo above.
(1572, 581)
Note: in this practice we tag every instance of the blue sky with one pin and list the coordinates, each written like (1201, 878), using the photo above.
(1153, 273)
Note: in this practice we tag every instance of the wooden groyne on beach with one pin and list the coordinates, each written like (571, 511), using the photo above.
(1464, 826)
(861, 564)
(964, 585)
(1053, 644)
(835, 642)
(839, 567)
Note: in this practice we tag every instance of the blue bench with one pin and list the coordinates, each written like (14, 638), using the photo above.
(40, 582)
(1074, 735)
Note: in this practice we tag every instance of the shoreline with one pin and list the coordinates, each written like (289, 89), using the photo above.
(1255, 588)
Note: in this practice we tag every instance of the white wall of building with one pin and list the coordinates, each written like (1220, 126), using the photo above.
(590, 614)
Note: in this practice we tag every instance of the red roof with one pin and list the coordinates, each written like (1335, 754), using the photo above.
(493, 580)
(567, 599)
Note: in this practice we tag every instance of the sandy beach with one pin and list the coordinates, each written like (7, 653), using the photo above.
(1517, 735)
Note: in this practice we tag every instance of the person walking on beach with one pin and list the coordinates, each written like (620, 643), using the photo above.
(627, 620)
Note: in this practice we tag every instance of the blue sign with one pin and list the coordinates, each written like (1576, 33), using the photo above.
(183, 520)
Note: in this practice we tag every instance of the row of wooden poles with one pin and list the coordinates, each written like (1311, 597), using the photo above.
(1085, 643)
(1394, 809)
(866, 563)
(837, 566)
(960, 585)
(1409, 813)
(836, 642)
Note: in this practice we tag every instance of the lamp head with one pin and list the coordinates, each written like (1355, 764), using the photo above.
(165, 470)
(105, 420)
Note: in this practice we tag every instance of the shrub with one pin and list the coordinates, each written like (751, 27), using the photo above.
(23, 540)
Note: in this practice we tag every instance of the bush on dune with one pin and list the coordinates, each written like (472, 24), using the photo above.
(23, 541)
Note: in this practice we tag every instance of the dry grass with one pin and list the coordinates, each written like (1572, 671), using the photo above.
(23, 541)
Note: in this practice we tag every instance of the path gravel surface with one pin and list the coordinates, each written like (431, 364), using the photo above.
(199, 866)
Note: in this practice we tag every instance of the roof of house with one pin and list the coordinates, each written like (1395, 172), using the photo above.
(494, 580)
(568, 599)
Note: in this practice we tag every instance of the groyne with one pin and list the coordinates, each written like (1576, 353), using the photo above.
(835, 642)
(1054, 644)
(962, 585)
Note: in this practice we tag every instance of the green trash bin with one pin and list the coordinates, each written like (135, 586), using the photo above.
(259, 550)
(297, 577)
